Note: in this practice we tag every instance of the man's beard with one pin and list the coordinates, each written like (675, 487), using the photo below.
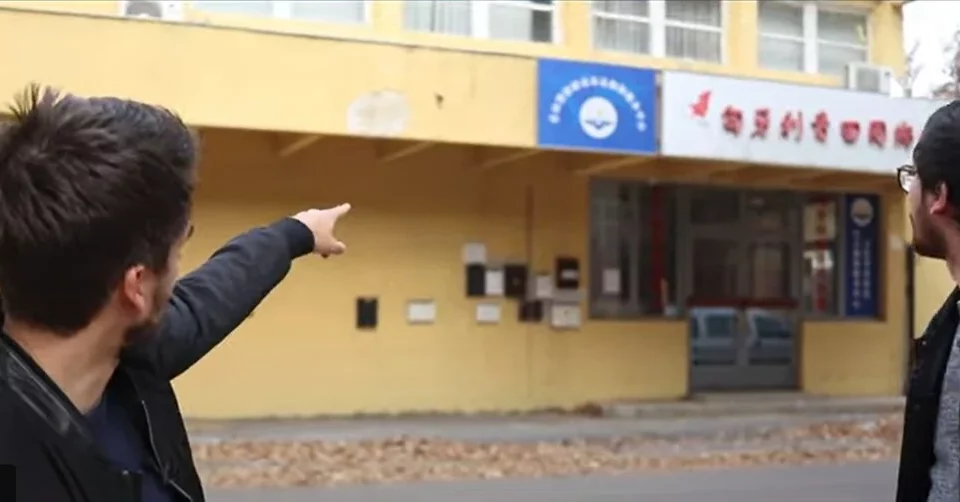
(147, 330)
(142, 333)
(926, 242)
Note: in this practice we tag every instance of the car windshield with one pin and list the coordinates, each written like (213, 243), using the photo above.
(771, 328)
(720, 325)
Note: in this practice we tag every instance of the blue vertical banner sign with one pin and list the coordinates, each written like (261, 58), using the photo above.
(862, 243)
(589, 106)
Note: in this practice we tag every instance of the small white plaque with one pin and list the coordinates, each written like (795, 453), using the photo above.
(611, 281)
(565, 316)
(474, 253)
(543, 289)
(421, 311)
(494, 282)
(488, 313)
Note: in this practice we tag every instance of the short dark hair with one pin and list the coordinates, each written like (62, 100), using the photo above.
(937, 154)
(89, 187)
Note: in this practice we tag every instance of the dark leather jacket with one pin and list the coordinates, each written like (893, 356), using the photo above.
(931, 352)
(48, 440)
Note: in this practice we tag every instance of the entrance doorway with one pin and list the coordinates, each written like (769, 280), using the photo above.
(742, 250)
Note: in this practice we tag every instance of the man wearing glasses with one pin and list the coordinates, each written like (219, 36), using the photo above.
(930, 455)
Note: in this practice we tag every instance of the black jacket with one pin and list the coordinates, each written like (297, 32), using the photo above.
(48, 440)
(923, 400)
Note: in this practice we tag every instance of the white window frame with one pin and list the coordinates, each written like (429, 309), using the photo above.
(480, 18)
(808, 19)
(282, 9)
(657, 20)
(811, 33)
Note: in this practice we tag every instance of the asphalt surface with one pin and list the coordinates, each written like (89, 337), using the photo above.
(862, 482)
(510, 429)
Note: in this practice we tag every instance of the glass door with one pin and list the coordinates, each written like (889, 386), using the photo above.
(741, 251)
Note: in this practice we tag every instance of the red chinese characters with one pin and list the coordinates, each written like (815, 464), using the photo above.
(877, 133)
(850, 131)
(903, 135)
(732, 120)
(761, 123)
(821, 127)
(792, 126)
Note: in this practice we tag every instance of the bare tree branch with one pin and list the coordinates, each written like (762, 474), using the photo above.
(951, 52)
(912, 70)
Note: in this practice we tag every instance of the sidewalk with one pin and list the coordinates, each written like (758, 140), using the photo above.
(729, 404)
(704, 416)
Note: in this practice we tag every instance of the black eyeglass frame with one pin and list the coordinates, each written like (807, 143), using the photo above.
(906, 175)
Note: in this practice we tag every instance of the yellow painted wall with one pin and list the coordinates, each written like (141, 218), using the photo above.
(405, 243)
(405, 235)
(243, 79)
(933, 284)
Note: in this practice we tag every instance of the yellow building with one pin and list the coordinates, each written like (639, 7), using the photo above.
(644, 181)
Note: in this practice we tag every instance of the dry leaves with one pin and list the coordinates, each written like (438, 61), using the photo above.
(324, 463)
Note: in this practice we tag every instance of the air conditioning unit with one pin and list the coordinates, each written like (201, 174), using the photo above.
(152, 9)
(869, 78)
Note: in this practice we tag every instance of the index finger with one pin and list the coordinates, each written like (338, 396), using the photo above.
(342, 209)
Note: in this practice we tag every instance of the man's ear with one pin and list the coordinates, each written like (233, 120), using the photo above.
(133, 288)
(939, 200)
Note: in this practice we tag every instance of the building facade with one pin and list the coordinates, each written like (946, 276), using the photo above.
(555, 203)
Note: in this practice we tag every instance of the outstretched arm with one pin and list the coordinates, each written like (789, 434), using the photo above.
(210, 302)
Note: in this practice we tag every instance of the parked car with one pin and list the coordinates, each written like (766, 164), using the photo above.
(715, 334)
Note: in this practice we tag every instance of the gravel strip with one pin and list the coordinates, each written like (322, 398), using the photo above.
(238, 463)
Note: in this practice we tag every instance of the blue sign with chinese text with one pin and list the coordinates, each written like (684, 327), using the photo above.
(588, 106)
(862, 241)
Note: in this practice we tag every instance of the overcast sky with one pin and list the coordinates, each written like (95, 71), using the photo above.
(931, 23)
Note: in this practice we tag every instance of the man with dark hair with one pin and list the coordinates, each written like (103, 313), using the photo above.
(95, 204)
(930, 454)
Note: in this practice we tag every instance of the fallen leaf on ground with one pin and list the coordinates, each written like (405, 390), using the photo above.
(403, 459)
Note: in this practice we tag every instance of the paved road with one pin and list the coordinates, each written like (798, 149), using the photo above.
(867, 482)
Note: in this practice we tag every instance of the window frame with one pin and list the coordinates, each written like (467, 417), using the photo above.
(602, 255)
(837, 313)
(811, 32)
(282, 9)
(657, 20)
(480, 19)
(843, 266)
(601, 192)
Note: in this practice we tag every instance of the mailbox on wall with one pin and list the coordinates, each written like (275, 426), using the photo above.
(567, 273)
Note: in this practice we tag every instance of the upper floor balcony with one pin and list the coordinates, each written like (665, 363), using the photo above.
(797, 41)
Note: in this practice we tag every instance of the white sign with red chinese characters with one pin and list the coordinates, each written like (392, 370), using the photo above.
(756, 121)
(819, 222)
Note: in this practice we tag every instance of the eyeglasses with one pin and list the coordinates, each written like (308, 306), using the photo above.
(906, 174)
